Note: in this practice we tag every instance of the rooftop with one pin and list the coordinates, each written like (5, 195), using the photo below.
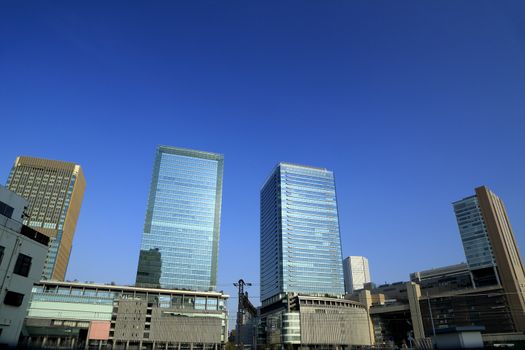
(129, 288)
(292, 165)
(190, 152)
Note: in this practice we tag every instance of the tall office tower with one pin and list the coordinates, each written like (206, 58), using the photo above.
(491, 249)
(55, 191)
(300, 241)
(356, 273)
(180, 243)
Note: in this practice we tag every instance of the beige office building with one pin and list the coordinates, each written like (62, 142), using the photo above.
(491, 249)
(506, 252)
(54, 190)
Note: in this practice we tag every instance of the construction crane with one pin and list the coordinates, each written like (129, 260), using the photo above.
(244, 308)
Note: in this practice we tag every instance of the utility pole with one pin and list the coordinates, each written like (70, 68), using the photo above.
(431, 317)
(240, 309)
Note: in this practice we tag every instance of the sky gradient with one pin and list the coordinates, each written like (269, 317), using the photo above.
(412, 105)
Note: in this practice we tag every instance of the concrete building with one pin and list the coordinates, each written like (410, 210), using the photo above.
(487, 307)
(394, 319)
(300, 240)
(84, 315)
(486, 292)
(407, 307)
(180, 242)
(54, 190)
(458, 338)
(491, 249)
(393, 292)
(424, 315)
(312, 322)
(356, 273)
(22, 254)
(443, 279)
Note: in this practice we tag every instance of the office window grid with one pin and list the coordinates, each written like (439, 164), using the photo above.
(300, 240)
(473, 231)
(48, 186)
(356, 273)
(182, 225)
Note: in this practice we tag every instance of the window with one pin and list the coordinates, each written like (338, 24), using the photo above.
(13, 298)
(200, 303)
(90, 292)
(37, 289)
(164, 301)
(23, 265)
(6, 210)
(1, 254)
(211, 304)
(63, 290)
(75, 291)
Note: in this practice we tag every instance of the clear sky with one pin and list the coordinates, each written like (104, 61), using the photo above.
(411, 103)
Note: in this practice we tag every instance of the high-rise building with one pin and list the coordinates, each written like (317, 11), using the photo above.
(54, 190)
(180, 243)
(300, 241)
(356, 273)
(474, 236)
(492, 253)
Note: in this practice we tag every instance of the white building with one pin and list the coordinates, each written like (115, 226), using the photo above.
(22, 254)
(356, 273)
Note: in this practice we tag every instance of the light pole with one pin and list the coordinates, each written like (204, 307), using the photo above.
(431, 317)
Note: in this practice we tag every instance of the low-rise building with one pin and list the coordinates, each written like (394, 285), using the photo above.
(443, 279)
(308, 322)
(393, 292)
(423, 316)
(22, 255)
(85, 315)
(487, 306)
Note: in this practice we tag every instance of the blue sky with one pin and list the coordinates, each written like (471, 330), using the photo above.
(412, 104)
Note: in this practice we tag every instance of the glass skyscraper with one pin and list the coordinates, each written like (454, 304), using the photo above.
(300, 240)
(180, 243)
(474, 234)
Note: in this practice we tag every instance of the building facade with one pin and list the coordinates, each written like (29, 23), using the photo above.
(443, 279)
(180, 241)
(425, 312)
(490, 247)
(476, 244)
(486, 307)
(72, 315)
(314, 322)
(356, 273)
(22, 254)
(484, 293)
(54, 190)
(300, 240)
